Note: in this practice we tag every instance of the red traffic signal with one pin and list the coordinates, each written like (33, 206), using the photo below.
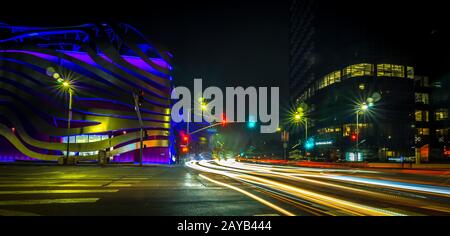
(224, 119)
(354, 137)
(184, 137)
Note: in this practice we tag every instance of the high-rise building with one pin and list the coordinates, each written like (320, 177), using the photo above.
(345, 55)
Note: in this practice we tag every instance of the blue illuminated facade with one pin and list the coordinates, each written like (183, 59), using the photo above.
(105, 63)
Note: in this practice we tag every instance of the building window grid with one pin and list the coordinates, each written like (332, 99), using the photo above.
(441, 114)
(357, 70)
(410, 72)
(329, 130)
(422, 98)
(389, 70)
(348, 129)
(421, 116)
(329, 79)
(423, 131)
(442, 132)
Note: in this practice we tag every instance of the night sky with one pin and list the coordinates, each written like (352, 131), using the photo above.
(227, 43)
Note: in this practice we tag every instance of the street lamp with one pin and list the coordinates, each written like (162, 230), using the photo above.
(65, 85)
(361, 108)
(299, 116)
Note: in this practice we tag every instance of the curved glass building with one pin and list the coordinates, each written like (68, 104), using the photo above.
(75, 85)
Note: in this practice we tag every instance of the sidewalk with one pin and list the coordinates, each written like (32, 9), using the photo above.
(404, 166)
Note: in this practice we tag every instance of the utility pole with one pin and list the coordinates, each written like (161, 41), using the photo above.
(138, 99)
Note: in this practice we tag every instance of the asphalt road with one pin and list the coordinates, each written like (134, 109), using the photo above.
(209, 188)
(118, 190)
(335, 192)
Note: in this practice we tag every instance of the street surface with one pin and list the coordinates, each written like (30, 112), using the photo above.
(215, 188)
(117, 190)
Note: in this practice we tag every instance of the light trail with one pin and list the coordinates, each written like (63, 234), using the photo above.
(271, 205)
(321, 199)
(445, 191)
(396, 198)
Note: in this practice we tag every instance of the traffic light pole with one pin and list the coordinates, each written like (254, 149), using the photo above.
(141, 132)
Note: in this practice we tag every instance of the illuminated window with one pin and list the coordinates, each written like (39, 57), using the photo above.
(390, 153)
(410, 72)
(362, 69)
(350, 128)
(389, 70)
(85, 138)
(418, 115)
(441, 114)
(328, 130)
(421, 116)
(423, 131)
(422, 98)
(329, 79)
(347, 131)
(442, 132)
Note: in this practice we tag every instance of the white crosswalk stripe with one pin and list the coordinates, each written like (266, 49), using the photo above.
(18, 191)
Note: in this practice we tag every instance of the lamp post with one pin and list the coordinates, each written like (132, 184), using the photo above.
(65, 85)
(362, 108)
(298, 117)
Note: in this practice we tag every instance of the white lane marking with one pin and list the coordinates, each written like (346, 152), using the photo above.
(48, 201)
(62, 191)
(16, 213)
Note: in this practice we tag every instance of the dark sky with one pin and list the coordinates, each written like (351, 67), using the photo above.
(228, 43)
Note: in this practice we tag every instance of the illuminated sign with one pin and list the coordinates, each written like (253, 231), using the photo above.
(324, 143)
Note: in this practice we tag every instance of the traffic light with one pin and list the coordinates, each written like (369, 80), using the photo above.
(224, 120)
(184, 137)
(251, 124)
(354, 137)
(184, 143)
(309, 144)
